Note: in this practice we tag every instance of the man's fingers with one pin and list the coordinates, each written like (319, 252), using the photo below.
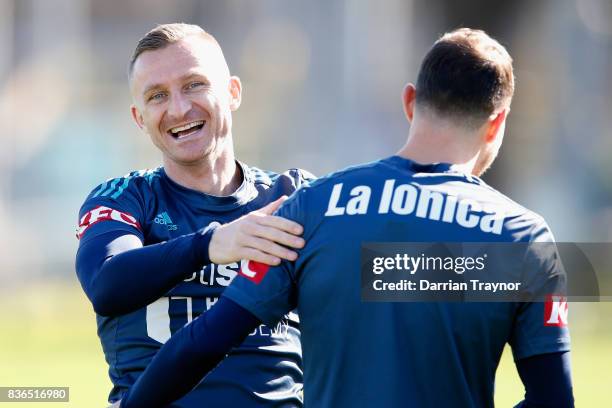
(278, 236)
(253, 254)
(271, 207)
(267, 238)
(281, 223)
(271, 248)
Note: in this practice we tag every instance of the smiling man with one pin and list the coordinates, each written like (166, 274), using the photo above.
(183, 99)
(158, 247)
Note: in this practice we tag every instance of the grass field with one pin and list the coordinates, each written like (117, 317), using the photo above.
(49, 339)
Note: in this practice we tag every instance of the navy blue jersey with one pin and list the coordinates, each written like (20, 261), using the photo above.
(266, 368)
(359, 354)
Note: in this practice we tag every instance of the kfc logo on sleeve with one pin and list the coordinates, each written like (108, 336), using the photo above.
(555, 311)
(253, 271)
(102, 213)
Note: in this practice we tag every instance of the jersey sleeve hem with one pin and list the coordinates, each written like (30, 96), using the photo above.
(257, 308)
(541, 347)
(124, 230)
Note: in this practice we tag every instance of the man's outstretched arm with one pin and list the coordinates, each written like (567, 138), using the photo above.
(547, 380)
(190, 354)
(119, 275)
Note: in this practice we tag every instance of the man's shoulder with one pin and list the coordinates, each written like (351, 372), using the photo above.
(136, 182)
(358, 173)
(124, 199)
(296, 175)
(317, 191)
(509, 204)
(523, 223)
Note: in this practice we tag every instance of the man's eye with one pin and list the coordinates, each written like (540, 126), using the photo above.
(194, 85)
(157, 96)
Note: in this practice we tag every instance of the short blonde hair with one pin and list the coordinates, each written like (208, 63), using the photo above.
(164, 35)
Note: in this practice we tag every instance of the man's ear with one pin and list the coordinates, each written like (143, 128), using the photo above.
(137, 116)
(408, 101)
(235, 89)
(495, 123)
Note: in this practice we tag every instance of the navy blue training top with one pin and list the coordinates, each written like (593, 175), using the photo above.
(360, 354)
(266, 368)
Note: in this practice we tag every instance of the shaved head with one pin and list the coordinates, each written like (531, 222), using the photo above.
(166, 34)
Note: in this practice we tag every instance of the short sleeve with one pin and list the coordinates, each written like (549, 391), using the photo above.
(115, 205)
(541, 327)
(270, 298)
(269, 292)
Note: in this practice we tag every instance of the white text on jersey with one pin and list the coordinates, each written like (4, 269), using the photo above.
(407, 199)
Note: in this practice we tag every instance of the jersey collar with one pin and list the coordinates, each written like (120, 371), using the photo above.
(208, 202)
(415, 167)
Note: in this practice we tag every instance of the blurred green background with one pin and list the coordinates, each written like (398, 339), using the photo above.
(49, 339)
(322, 82)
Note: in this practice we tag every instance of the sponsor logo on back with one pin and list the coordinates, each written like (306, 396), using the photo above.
(414, 200)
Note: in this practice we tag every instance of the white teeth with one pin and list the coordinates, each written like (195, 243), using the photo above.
(187, 126)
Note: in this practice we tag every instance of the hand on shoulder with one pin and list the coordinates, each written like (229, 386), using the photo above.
(257, 236)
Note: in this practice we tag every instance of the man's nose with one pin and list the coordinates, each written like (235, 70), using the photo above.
(179, 106)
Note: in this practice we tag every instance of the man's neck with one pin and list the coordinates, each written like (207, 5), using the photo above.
(219, 177)
(440, 144)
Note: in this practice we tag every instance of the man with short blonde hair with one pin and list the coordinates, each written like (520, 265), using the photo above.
(158, 247)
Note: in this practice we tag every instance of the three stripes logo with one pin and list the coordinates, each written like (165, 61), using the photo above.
(164, 219)
(113, 188)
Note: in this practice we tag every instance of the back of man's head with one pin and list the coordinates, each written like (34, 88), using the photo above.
(465, 77)
(164, 35)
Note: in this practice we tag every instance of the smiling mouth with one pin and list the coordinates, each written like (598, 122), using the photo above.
(181, 132)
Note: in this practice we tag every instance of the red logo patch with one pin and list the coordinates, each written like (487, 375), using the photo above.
(102, 213)
(253, 271)
(555, 311)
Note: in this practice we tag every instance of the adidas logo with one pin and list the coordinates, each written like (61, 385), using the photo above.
(164, 219)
